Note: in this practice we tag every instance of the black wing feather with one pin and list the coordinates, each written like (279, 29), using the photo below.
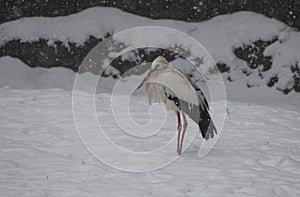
(199, 114)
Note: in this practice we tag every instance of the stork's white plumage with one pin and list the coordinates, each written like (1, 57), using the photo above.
(169, 85)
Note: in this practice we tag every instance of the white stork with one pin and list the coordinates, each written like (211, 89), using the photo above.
(169, 85)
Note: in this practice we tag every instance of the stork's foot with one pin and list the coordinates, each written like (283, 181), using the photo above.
(179, 152)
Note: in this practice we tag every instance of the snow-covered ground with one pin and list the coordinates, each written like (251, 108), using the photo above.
(258, 153)
(41, 153)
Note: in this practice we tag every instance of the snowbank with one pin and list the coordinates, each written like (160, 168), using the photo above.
(219, 35)
(17, 75)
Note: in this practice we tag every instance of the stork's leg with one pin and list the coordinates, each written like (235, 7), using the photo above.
(185, 124)
(179, 130)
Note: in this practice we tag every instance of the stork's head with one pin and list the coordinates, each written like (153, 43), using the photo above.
(159, 63)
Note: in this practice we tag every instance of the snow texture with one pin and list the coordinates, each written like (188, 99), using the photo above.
(41, 154)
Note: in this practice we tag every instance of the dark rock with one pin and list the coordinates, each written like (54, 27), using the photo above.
(253, 55)
(296, 70)
(223, 67)
(272, 81)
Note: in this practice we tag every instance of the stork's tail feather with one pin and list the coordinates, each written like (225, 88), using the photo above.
(206, 125)
(208, 130)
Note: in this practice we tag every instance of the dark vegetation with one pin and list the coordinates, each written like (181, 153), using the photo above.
(39, 53)
(287, 11)
(255, 59)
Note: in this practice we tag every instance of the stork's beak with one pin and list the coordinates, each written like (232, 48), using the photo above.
(145, 79)
(141, 84)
